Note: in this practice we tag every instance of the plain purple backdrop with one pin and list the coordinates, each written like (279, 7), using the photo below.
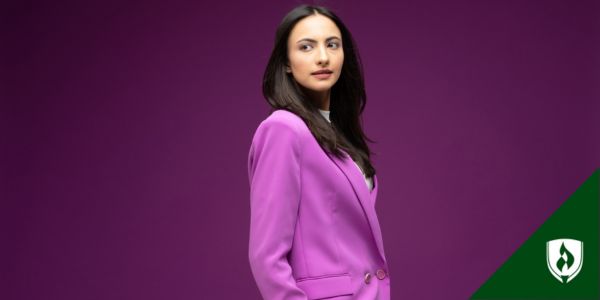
(127, 124)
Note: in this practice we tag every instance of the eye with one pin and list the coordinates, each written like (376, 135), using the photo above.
(337, 45)
(305, 45)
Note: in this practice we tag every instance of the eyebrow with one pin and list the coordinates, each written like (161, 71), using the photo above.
(313, 41)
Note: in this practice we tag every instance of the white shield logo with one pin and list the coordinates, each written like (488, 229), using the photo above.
(564, 258)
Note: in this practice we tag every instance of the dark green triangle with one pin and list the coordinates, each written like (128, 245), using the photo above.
(525, 275)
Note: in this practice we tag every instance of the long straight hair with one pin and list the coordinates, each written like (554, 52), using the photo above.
(347, 98)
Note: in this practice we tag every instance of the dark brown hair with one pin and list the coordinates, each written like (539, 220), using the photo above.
(347, 99)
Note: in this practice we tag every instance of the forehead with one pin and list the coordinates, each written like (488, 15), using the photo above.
(315, 27)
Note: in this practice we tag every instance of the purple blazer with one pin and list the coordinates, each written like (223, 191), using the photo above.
(314, 231)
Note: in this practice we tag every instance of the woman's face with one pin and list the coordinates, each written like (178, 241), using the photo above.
(314, 44)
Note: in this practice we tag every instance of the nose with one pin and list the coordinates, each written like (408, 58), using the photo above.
(323, 56)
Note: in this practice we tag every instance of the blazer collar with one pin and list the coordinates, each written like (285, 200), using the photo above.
(365, 197)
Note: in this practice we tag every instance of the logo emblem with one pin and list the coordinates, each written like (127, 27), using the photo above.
(564, 258)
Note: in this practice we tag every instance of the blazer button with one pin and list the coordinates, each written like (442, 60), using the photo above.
(367, 277)
(380, 274)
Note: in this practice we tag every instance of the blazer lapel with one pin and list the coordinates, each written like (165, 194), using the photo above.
(364, 196)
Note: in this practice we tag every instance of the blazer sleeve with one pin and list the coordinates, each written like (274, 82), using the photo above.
(274, 175)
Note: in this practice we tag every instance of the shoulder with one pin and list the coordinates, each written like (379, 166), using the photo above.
(282, 117)
(281, 132)
(283, 121)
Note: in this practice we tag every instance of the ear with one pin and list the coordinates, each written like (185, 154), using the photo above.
(288, 69)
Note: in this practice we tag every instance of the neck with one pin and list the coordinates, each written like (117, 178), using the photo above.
(320, 99)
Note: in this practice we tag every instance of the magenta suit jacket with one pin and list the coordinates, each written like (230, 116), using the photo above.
(314, 232)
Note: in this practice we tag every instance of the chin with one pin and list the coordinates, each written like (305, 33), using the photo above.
(323, 85)
(322, 88)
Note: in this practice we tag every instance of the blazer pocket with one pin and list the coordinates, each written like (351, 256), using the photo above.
(326, 286)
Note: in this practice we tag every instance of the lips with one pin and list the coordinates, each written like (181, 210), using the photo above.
(323, 71)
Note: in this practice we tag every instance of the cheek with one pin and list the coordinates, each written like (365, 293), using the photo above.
(295, 62)
(341, 59)
(302, 62)
(302, 69)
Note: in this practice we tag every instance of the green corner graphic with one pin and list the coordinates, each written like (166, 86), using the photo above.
(560, 260)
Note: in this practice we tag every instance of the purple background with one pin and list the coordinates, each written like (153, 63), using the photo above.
(129, 122)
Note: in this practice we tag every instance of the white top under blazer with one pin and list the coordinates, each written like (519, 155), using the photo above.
(368, 180)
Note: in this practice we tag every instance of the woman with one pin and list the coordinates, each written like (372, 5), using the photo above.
(314, 232)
